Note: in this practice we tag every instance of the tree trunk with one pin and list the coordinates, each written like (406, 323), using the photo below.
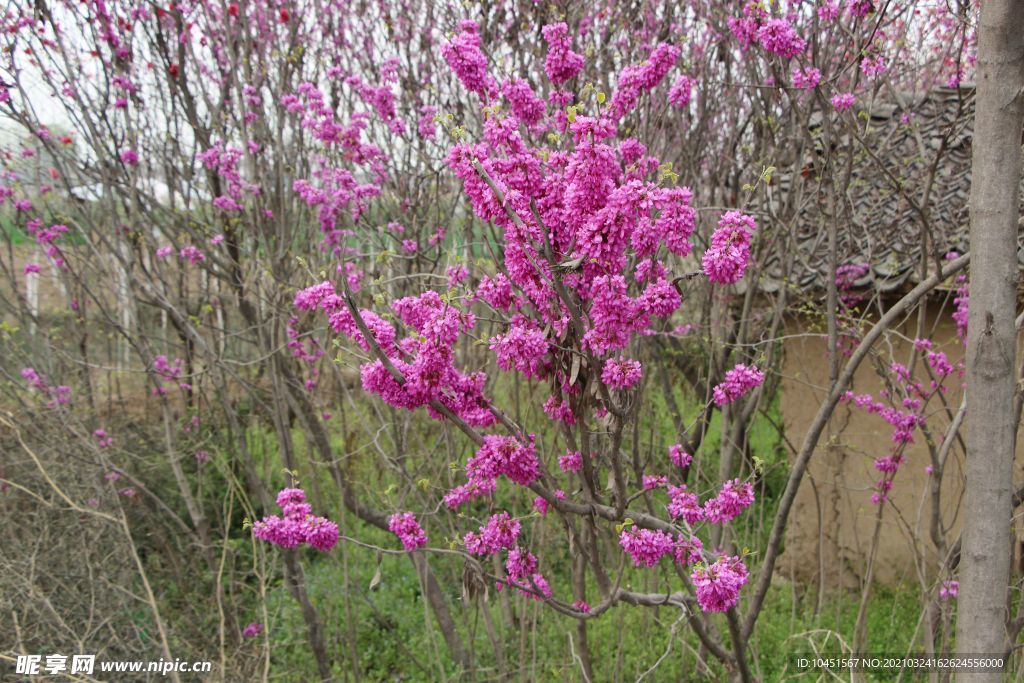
(991, 342)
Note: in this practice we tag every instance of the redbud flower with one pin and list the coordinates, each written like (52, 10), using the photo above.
(645, 546)
(192, 253)
(130, 157)
(469, 63)
(252, 630)
(521, 348)
(541, 505)
(520, 564)
(734, 498)
(679, 457)
(561, 63)
(525, 104)
(726, 259)
(718, 586)
(829, 10)
(738, 382)
(684, 504)
(872, 67)
(688, 550)
(679, 93)
(298, 525)
(500, 531)
(103, 440)
(806, 79)
(536, 583)
(843, 101)
(860, 8)
(320, 533)
(653, 481)
(408, 530)
(621, 373)
(778, 36)
(571, 461)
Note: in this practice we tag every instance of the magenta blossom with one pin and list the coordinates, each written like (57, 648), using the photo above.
(298, 525)
(621, 373)
(718, 586)
(645, 546)
(408, 530)
(679, 457)
(726, 259)
(738, 381)
(500, 531)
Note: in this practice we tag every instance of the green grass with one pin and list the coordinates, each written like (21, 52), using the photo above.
(397, 640)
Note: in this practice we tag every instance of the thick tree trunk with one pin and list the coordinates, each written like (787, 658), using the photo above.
(991, 342)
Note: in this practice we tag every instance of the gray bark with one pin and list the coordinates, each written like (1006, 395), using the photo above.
(991, 343)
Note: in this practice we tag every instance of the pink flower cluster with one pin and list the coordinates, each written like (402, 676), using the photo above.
(501, 531)
(806, 78)
(774, 35)
(737, 383)
(571, 461)
(726, 259)
(653, 481)
(59, 395)
(718, 585)
(298, 525)
(860, 8)
(778, 36)
(561, 63)
(684, 504)
(680, 92)
(424, 360)
(103, 440)
(621, 373)
(498, 456)
(843, 101)
(645, 546)
(408, 530)
(192, 254)
(525, 104)
(734, 498)
(679, 457)
(638, 78)
(521, 566)
(469, 63)
(524, 348)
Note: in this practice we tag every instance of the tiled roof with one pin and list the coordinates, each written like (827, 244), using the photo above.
(881, 226)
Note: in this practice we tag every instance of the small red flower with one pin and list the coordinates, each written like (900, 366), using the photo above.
(173, 70)
(284, 16)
